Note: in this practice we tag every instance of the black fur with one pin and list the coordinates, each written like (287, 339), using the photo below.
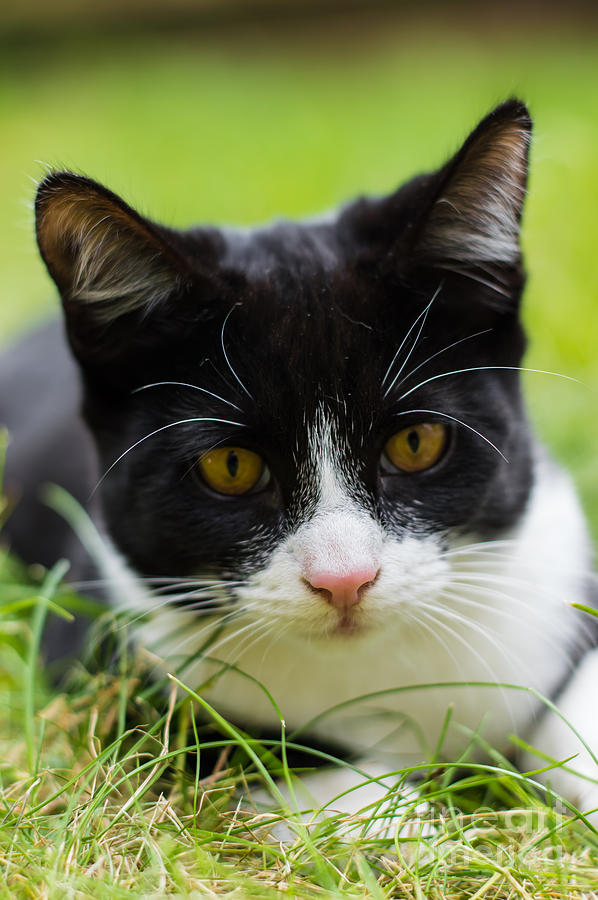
(314, 314)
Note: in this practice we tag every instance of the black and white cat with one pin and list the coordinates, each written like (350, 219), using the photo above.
(311, 437)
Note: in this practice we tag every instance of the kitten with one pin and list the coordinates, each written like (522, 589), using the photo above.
(311, 441)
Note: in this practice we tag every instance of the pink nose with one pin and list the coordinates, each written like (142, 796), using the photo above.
(342, 591)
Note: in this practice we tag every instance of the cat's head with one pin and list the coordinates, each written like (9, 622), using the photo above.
(310, 412)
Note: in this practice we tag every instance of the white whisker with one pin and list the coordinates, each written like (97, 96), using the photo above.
(423, 315)
(213, 610)
(476, 626)
(414, 344)
(234, 634)
(228, 363)
(483, 579)
(433, 613)
(458, 597)
(261, 629)
(500, 544)
(157, 431)
(434, 412)
(215, 624)
(194, 387)
(415, 618)
(440, 352)
(275, 635)
(486, 369)
(196, 585)
(453, 632)
(487, 553)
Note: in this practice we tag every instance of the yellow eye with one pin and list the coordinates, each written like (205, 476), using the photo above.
(231, 470)
(416, 448)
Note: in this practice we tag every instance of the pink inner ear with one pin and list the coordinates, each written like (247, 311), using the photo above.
(342, 590)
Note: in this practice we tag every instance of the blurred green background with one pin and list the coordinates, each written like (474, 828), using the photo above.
(234, 114)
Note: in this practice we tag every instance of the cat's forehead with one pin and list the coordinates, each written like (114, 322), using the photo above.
(284, 249)
(307, 280)
(310, 319)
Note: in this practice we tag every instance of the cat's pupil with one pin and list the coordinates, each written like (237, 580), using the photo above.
(413, 441)
(232, 464)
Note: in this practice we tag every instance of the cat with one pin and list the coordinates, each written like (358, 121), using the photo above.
(311, 455)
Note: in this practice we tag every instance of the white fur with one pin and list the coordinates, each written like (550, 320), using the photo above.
(519, 632)
(339, 536)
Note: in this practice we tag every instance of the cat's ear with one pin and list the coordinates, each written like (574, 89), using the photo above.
(473, 220)
(109, 264)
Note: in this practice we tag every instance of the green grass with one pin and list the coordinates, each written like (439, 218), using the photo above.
(239, 128)
(101, 796)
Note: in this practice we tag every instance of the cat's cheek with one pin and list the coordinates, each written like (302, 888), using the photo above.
(415, 570)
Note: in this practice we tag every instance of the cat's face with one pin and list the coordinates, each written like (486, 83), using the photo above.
(310, 414)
